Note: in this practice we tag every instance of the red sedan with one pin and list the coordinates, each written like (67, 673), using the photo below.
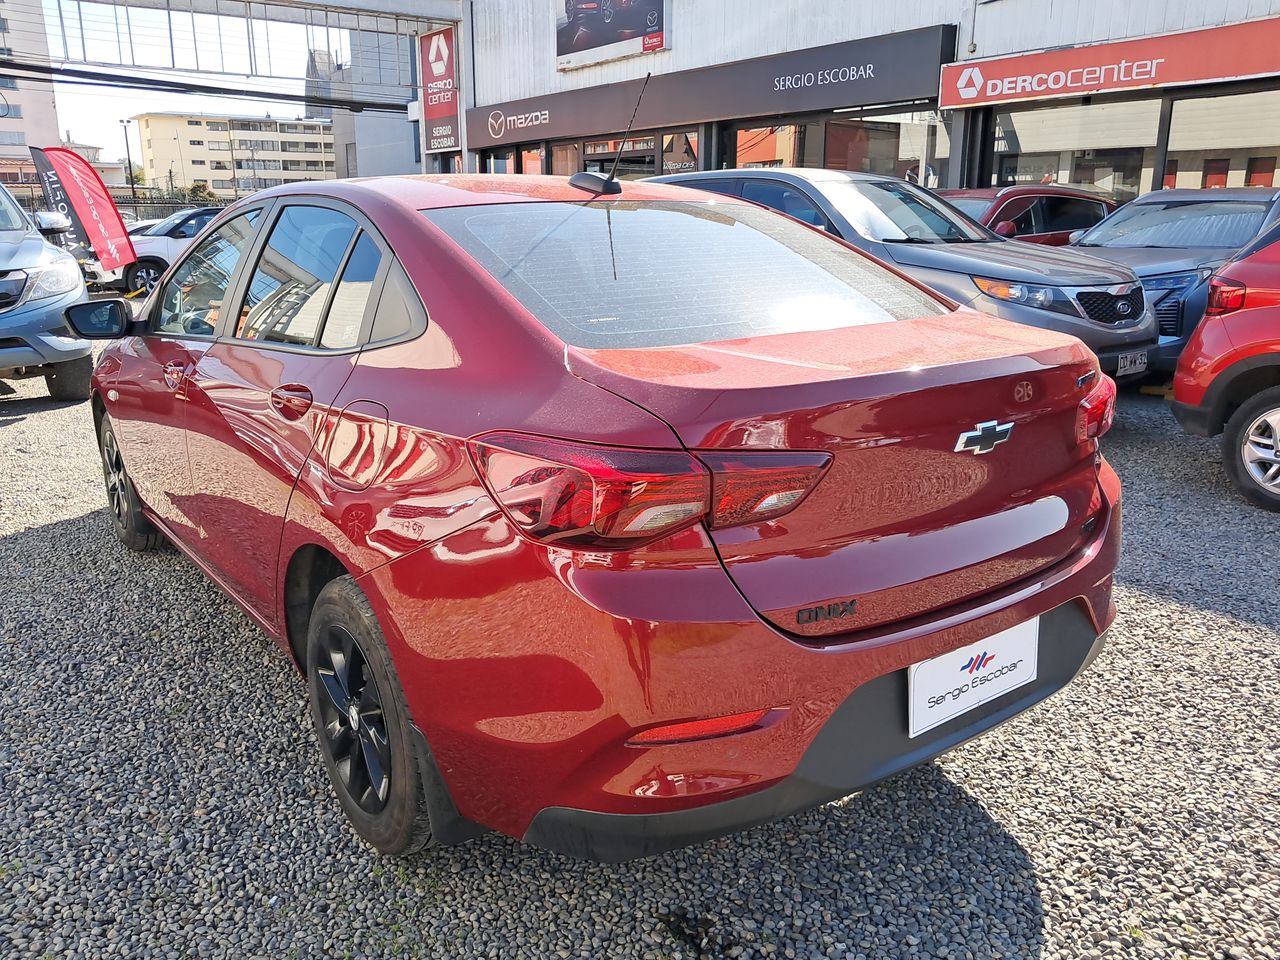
(1036, 213)
(610, 522)
(1228, 376)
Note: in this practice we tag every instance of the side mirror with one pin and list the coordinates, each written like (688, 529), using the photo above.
(50, 224)
(1075, 236)
(99, 319)
(1006, 229)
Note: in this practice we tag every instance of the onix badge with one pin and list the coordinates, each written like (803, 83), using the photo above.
(984, 437)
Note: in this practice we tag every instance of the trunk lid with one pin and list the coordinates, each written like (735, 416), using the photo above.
(902, 522)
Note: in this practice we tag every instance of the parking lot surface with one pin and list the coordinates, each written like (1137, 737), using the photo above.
(161, 793)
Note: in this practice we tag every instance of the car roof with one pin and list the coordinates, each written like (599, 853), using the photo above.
(1023, 189)
(429, 192)
(1210, 193)
(808, 174)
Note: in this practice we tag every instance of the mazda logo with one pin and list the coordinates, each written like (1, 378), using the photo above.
(653, 18)
(497, 124)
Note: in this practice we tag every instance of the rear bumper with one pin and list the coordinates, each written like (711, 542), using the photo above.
(841, 760)
(1193, 420)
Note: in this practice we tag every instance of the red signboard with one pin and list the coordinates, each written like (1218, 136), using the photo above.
(73, 187)
(1250, 49)
(440, 114)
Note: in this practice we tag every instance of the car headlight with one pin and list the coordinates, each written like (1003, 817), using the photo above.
(1028, 294)
(1177, 281)
(53, 279)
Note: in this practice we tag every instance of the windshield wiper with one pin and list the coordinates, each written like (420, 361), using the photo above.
(908, 240)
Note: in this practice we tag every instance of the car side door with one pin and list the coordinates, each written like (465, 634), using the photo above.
(267, 385)
(151, 392)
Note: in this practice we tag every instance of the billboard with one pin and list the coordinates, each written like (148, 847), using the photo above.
(592, 31)
(438, 54)
(73, 187)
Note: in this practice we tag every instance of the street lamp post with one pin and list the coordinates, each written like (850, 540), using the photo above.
(128, 157)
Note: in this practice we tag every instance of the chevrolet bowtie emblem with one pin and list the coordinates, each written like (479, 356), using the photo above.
(984, 437)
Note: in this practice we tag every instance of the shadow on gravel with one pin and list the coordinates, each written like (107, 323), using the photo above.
(15, 409)
(1188, 536)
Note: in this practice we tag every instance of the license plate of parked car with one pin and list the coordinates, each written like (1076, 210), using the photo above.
(941, 689)
(1128, 363)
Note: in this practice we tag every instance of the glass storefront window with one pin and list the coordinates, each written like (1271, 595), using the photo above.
(788, 145)
(500, 161)
(680, 152)
(531, 160)
(1107, 146)
(566, 159)
(1225, 141)
(914, 146)
(637, 156)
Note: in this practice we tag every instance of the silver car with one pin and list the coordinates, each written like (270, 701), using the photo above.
(926, 238)
(37, 282)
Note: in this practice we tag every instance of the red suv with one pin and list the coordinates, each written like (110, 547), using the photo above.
(610, 521)
(1038, 214)
(1228, 377)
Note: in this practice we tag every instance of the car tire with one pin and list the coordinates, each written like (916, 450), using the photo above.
(131, 525)
(1255, 426)
(607, 11)
(362, 722)
(571, 11)
(143, 275)
(70, 380)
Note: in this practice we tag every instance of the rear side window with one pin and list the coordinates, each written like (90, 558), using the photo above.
(290, 286)
(779, 196)
(1068, 213)
(624, 274)
(346, 312)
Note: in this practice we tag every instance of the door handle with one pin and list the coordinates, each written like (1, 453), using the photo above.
(174, 371)
(291, 400)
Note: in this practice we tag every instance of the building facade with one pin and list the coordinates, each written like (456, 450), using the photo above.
(233, 155)
(1125, 98)
(28, 115)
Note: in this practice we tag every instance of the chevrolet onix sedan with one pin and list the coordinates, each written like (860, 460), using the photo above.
(611, 522)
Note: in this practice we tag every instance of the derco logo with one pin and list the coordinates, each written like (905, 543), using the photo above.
(499, 122)
(828, 611)
(978, 661)
(438, 55)
(970, 83)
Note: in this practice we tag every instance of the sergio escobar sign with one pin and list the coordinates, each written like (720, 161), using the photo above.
(440, 114)
(1193, 56)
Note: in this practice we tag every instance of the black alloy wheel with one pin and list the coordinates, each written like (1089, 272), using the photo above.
(132, 528)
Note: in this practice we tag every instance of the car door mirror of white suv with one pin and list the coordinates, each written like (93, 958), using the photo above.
(99, 319)
(50, 223)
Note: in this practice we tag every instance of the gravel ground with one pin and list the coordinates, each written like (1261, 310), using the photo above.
(161, 793)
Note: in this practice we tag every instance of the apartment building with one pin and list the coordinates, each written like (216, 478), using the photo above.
(233, 155)
(28, 117)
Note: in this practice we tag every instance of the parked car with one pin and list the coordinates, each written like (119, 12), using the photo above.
(157, 245)
(458, 446)
(141, 226)
(38, 280)
(907, 226)
(1036, 213)
(608, 11)
(1174, 240)
(1228, 377)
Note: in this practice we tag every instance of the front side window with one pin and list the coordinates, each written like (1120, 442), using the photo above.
(11, 216)
(1180, 223)
(892, 211)
(191, 300)
(289, 288)
(626, 274)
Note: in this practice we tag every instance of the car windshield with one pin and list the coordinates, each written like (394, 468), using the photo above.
(625, 274)
(168, 223)
(974, 207)
(1180, 223)
(893, 211)
(11, 215)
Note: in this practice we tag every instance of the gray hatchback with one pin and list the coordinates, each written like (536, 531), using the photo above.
(37, 282)
(1101, 303)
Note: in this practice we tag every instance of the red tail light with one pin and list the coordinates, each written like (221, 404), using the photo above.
(615, 498)
(1225, 296)
(1097, 411)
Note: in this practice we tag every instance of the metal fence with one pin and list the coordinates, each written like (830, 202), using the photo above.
(31, 197)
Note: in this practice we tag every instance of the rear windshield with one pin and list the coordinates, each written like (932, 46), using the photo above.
(1180, 223)
(623, 274)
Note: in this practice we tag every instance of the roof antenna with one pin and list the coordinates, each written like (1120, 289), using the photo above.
(597, 184)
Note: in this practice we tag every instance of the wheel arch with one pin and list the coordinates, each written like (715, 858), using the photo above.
(310, 568)
(1235, 385)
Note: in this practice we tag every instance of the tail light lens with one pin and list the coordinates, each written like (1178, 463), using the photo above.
(1225, 296)
(616, 498)
(1097, 411)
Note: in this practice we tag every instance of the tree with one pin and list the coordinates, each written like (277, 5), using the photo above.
(135, 176)
(200, 193)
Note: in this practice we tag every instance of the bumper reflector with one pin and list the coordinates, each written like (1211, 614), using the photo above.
(699, 729)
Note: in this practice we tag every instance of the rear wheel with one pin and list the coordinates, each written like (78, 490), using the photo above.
(131, 525)
(362, 722)
(1251, 449)
(143, 275)
(70, 380)
(607, 11)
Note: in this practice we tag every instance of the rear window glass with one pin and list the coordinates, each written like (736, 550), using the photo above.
(625, 274)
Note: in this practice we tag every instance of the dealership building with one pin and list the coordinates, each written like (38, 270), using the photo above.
(1124, 98)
